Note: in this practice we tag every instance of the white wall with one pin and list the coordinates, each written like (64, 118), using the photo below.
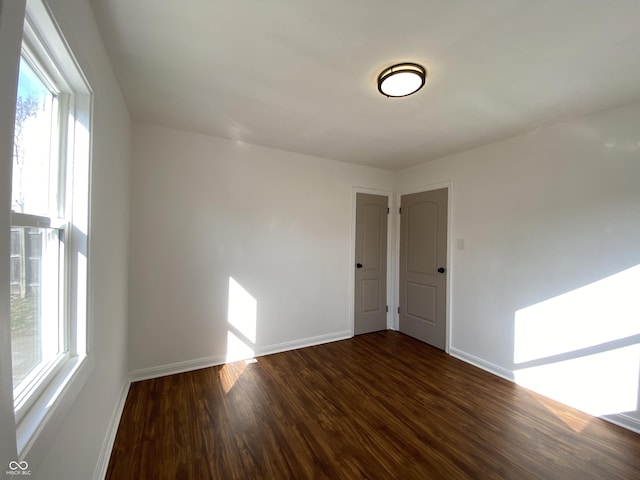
(546, 289)
(74, 449)
(205, 210)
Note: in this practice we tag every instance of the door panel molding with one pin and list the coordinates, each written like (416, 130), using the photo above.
(422, 312)
(370, 299)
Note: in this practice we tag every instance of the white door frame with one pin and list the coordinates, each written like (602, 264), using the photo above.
(390, 252)
(396, 270)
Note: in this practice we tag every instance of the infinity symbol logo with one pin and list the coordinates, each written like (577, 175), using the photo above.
(13, 465)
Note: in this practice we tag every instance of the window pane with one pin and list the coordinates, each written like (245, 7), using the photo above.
(15, 242)
(34, 177)
(35, 330)
(15, 261)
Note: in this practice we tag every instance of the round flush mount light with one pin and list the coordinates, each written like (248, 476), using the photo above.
(402, 79)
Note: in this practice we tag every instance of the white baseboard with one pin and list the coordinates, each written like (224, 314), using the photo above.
(110, 437)
(173, 368)
(307, 342)
(483, 364)
(623, 421)
(189, 365)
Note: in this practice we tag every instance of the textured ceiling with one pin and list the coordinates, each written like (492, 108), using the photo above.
(300, 75)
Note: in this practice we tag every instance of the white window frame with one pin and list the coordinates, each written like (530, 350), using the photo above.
(40, 410)
(37, 380)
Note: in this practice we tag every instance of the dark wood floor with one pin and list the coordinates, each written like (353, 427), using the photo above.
(379, 406)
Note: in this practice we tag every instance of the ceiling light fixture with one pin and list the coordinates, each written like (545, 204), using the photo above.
(402, 79)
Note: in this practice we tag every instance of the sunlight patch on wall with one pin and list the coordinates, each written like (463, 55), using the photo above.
(237, 349)
(598, 384)
(242, 318)
(603, 311)
(582, 348)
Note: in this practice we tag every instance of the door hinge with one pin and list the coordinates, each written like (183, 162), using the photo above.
(400, 210)
(398, 309)
(387, 310)
(388, 211)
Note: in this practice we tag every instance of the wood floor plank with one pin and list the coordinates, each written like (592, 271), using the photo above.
(378, 406)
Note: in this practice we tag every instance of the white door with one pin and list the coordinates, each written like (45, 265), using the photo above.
(371, 263)
(423, 269)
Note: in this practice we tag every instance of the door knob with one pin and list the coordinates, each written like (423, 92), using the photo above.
(441, 270)
(358, 265)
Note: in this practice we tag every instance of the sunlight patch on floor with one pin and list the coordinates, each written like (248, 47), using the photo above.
(230, 373)
(572, 417)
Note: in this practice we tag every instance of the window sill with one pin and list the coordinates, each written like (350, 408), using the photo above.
(36, 430)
